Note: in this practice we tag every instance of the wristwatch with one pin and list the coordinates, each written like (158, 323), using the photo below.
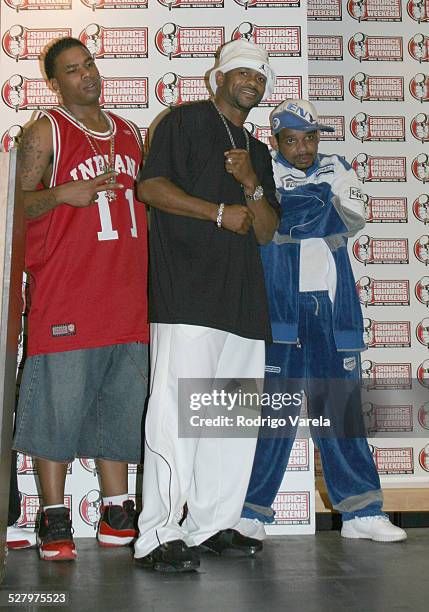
(258, 194)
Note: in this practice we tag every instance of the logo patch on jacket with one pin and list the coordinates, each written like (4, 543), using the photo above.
(273, 369)
(63, 329)
(355, 193)
(349, 363)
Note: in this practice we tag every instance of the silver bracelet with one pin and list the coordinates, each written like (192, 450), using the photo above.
(219, 214)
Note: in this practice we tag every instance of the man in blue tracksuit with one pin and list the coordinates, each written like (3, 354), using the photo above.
(317, 329)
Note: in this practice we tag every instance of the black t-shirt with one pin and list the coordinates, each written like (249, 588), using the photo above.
(200, 274)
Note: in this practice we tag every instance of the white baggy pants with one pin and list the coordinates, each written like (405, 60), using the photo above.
(209, 474)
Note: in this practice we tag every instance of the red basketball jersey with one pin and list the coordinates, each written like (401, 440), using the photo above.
(88, 266)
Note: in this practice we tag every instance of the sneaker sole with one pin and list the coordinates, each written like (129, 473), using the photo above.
(114, 541)
(58, 555)
(20, 544)
(65, 553)
(232, 552)
(169, 568)
(356, 536)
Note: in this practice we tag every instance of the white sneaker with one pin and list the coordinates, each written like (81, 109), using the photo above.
(19, 537)
(251, 528)
(377, 528)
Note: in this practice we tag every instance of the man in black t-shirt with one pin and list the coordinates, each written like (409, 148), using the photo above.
(211, 187)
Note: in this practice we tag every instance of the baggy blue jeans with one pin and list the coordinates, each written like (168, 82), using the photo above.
(351, 477)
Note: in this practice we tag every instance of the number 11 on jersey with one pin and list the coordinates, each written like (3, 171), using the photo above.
(107, 232)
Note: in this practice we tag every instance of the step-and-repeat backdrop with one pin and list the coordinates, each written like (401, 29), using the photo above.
(369, 77)
(151, 54)
(367, 62)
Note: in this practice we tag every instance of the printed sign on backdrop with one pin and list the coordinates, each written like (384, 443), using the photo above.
(369, 250)
(299, 460)
(24, 44)
(420, 167)
(386, 334)
(424, 458)
(261, 132)
(174, 40)
(385, 210)
(325, 48)
(292, 508)
(375, 48)
(367, 88)
(277, 40)
(421, 208)
(89, 465)
(115, 42)
(421, 249)
(419, 87)
(25, 465)
(387, 419)
(39, 5)
(423, 373)
(376, 292)
(286, 87)
(174, 89)
(394, 460)
(186, 4)
(386, 375)
(30, 506)
(418, 10)
(248, 4)
(375, 10)
(324, 10)
(418, 47)
(370, 128)
(89, 508)
(22, 93)
(11, 137)
(115, 4)
(325, 87)
(423, 415)
(336, 122)
(421, 290)
(422, 332)
(419, 127)
(130, 92)
(376, 169)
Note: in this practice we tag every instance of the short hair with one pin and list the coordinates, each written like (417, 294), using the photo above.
(55, 49)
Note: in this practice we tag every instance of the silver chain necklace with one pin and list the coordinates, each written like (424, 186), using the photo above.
(231, 138)
(96, 150)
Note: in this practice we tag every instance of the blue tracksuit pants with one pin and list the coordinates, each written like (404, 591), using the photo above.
(331, 380)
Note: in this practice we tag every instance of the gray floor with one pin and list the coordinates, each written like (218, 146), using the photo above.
(293, 574)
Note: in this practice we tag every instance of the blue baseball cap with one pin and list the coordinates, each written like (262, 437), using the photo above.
(297, 115)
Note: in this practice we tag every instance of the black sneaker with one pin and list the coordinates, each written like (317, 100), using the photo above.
(118, 525)
(55, 535)
(231, 543)
(172, 556)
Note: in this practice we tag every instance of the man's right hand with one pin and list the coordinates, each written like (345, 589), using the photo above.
(237, 218)
(84, 193)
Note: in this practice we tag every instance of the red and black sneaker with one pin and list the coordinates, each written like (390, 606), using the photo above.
(55, 535)
(118, 525)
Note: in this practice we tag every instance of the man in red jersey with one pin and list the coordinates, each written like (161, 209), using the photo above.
(85, 378)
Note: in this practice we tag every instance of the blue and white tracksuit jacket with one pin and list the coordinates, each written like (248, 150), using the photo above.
(318, 333)
(322, 205)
